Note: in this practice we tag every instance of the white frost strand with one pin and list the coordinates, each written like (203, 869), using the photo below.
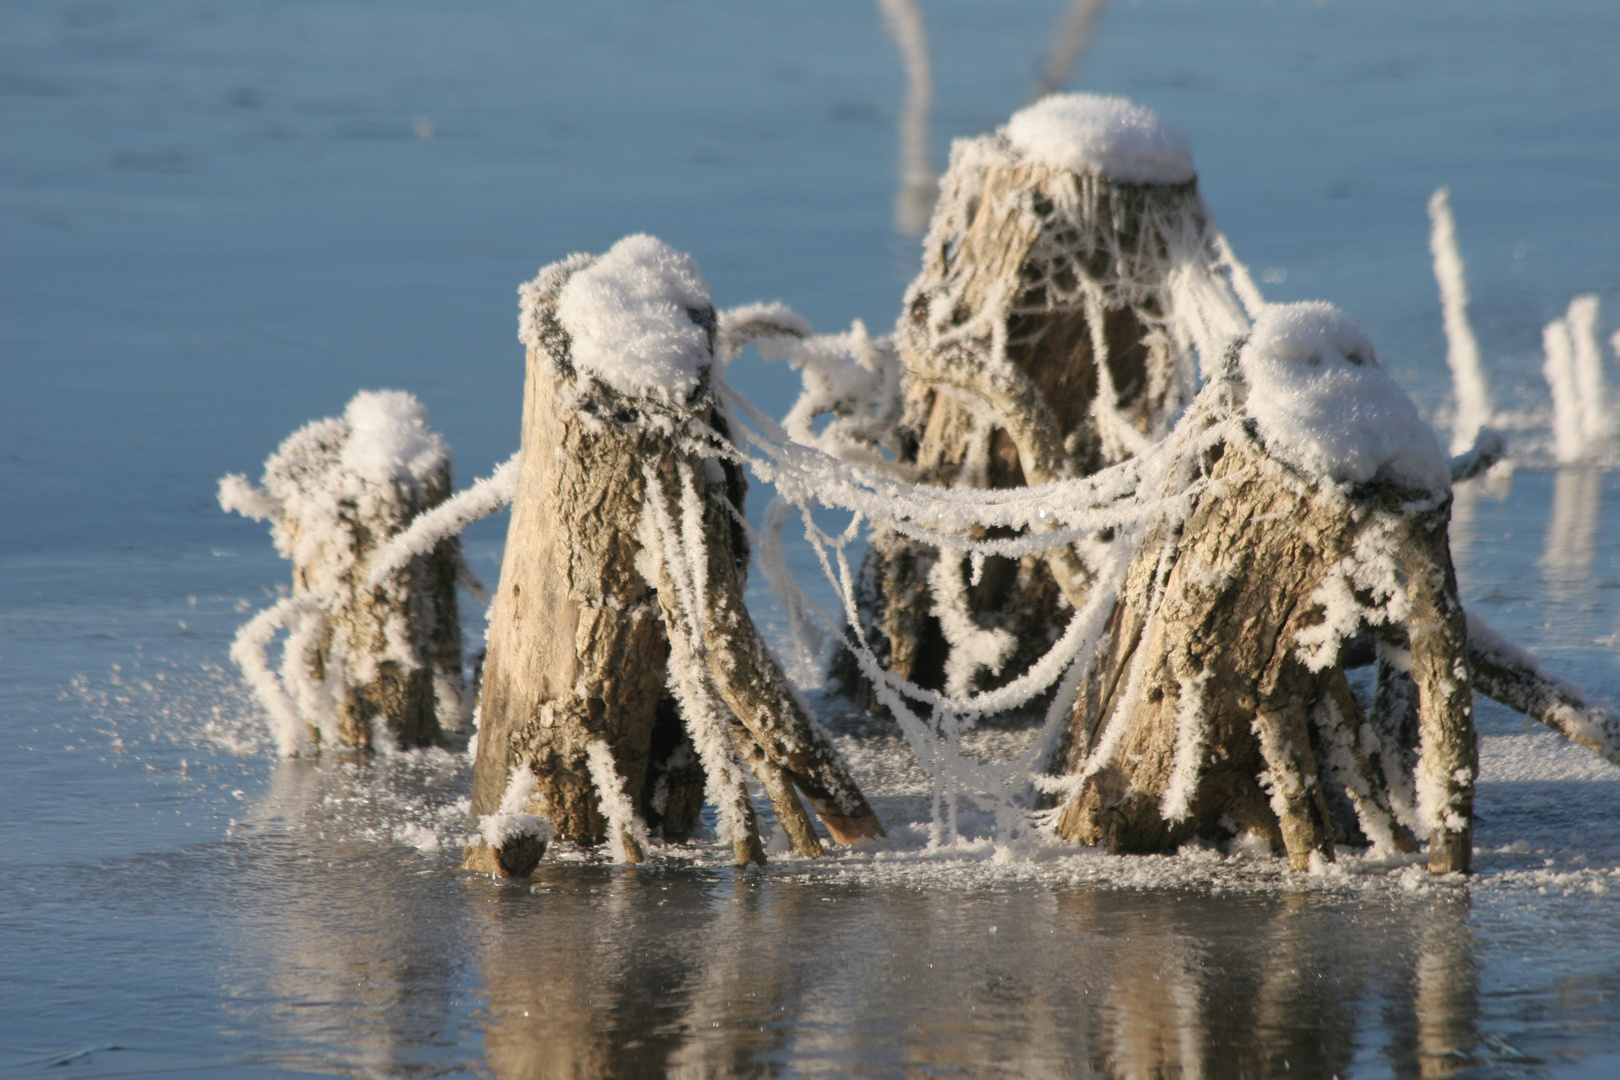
(1192, 734)
(249, 652)
(1242, 281)
(448, 519)
(623, 821)
(1462, 350)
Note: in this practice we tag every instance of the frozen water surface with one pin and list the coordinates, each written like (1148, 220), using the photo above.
(220, 220)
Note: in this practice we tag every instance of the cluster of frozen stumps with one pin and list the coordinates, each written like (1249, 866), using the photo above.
(1311, 386)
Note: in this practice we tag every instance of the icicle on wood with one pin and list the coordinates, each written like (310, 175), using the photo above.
(623, 673)
(1219, 704)
(1070, 282)
(363, 644)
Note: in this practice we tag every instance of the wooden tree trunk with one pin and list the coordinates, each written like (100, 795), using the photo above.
(359, 652)
(598, 639)
(1038, 343)
(1208, 714)
(420, 606)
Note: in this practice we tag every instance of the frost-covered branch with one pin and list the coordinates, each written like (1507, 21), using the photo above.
(1462, 349)
(1510, 675)
(449, 518)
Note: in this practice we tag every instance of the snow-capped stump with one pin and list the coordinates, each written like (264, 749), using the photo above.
(365, 643)
(1071, 281)
(1218, 704)
(623, 674)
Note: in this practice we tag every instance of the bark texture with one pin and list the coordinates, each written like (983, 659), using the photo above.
(597, 637)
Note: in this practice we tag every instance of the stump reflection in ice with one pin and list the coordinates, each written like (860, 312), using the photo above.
(356, 966)
(745, 973)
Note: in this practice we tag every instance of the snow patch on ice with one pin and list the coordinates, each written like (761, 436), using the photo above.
(1093, 133)
(1325, 406)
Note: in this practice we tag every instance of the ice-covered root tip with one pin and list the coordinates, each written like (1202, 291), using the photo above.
(1324, 405)
(1451, 852)
(514, 859)
(1489, 447)
(850, 830)
(1110, 136)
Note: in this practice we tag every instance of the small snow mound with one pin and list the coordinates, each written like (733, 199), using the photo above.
(1092, 133)
(1325, 406)
(389, 438)
(630, 316)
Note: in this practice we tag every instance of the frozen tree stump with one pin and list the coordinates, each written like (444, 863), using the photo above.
(366, 644)
(1068, 278)
(1218, 704)
(624, 676)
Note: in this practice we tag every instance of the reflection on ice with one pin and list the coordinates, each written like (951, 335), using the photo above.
(1495, 483)
(1447, 989)
(1566, 561)
(347, 952)
(631, 972)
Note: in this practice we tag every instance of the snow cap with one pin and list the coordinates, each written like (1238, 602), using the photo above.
(1325, 406)
(1093, 133)
(627, 315)
(389, 438)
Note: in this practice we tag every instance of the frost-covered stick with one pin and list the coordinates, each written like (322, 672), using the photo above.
(1569, 443)
(618, 623)
(1448, 760)
(627, 833)
(477, 502)
(1596, 426)
(918, 186)
(1505, 672)
(366, 645)
(1462, 350)
(677, 564)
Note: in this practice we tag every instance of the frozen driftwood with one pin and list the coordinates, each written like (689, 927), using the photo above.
(1219, 705)
(1070, 279)
(624, 677)
(365, 644)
